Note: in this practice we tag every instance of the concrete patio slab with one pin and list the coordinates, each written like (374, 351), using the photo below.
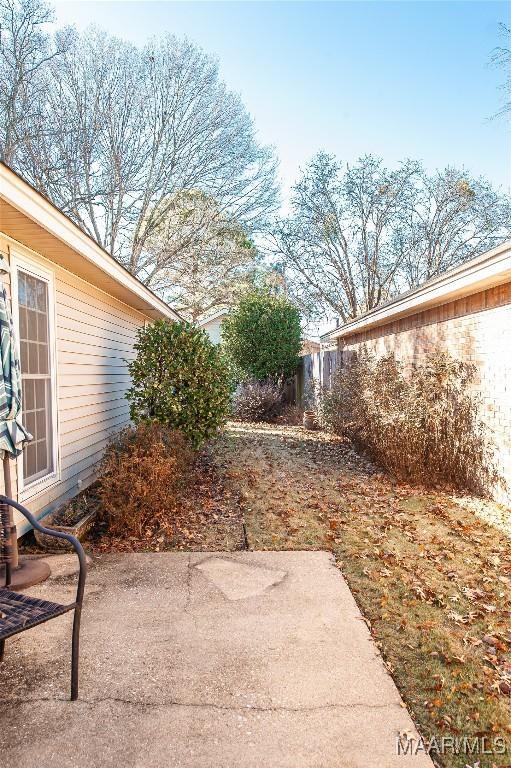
(204, 660)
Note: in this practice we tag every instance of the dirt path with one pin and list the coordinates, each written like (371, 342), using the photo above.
(432, 578)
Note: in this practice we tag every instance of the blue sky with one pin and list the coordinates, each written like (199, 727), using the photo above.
(396, 79)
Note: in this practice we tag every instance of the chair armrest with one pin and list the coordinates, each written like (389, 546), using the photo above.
(34, 522)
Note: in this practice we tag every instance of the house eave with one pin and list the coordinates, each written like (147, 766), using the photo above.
(219, 313)
(485, 271)
(28, 218)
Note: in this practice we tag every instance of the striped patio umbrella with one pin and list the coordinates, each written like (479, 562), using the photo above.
(12, 433)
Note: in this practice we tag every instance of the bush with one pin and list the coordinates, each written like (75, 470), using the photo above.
(291, 415)
(257, 401)
(180, 379)
(141, 476)
(262, 336)
(423, 426)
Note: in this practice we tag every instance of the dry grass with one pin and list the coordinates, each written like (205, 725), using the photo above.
(432, 579)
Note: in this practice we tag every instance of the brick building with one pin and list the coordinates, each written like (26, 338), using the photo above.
(467, 312)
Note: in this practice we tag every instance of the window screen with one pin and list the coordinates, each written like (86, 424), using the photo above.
(36, 376)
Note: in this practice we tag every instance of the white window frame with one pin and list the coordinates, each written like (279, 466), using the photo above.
(19, 263)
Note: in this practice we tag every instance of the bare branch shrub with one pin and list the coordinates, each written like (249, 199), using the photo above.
(291, 415)
(258, 401)
(421, 425)
(142, 475)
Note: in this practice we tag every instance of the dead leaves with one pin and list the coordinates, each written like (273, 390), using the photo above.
(495, 643)
(458, 618)
(431, 578)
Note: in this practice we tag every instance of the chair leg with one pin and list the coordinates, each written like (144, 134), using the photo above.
(75, 653)
(2, 649)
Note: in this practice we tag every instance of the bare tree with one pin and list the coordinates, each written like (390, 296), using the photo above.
(131, 129)
(207, 142)
(26, 49)
(501, 58)
(357, 235)
(92, 162)
(196, 257)
(453, 218)
(338, 246)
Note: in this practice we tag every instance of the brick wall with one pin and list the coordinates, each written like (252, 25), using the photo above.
(476, 329)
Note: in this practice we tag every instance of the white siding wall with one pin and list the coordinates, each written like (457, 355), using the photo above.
(214, 329)
(94, 334)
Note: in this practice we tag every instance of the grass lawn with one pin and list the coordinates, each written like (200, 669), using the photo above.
(430, 575)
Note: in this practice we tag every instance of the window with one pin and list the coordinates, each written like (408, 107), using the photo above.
(36, 372)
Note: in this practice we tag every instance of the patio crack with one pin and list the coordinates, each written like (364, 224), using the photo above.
(189, 575)
(201, 705)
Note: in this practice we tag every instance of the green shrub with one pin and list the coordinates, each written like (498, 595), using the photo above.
(142, 474)
(421, 424)
(180, 379)
(262, 336)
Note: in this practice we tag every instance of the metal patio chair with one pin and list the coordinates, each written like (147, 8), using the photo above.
(19, 612)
